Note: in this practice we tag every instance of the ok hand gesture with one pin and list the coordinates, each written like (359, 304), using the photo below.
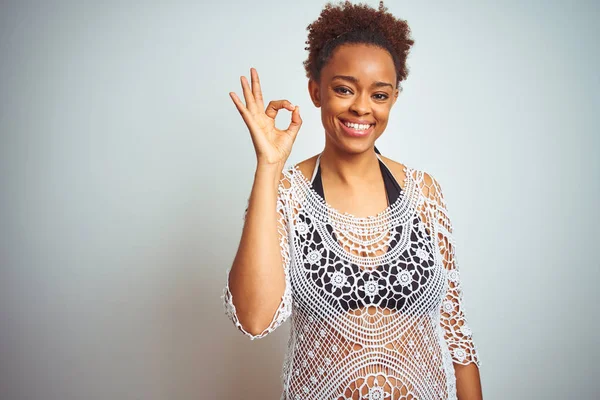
(272, 146)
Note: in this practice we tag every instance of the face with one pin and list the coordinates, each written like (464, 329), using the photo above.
(356, 93)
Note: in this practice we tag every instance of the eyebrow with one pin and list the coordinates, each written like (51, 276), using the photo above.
(355, 80)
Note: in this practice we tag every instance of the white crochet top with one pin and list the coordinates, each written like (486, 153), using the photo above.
(376, 314)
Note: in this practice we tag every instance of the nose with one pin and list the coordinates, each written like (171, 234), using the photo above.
(361, 105)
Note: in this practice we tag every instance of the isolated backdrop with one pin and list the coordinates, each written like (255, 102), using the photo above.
(125, 171)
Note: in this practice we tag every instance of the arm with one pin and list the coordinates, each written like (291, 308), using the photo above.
(468, 382)
(257, 295)
(453, 321)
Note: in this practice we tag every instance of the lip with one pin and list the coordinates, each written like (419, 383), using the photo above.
(357, 121)
(354, 132)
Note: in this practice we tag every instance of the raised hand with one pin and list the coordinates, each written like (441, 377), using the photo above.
(272, 146)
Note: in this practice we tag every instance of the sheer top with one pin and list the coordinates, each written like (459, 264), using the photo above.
(398, 277)
(375, 303)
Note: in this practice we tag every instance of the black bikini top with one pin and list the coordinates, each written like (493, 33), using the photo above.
(392, 187)
(396, 299)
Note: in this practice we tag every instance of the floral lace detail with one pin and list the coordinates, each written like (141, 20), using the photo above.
(376, 302)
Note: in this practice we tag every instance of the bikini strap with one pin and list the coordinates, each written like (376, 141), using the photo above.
(318, 163)
(316, 169)
(390, 175)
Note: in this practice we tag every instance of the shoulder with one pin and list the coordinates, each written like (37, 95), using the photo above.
(286, 178)
(430, 187)
(398, 169)
(307, 166)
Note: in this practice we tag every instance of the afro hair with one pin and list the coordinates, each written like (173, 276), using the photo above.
(347, 23)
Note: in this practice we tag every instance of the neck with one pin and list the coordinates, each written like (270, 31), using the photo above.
(353, 170)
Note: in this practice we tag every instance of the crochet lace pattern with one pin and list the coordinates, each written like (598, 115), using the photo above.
(360, 331)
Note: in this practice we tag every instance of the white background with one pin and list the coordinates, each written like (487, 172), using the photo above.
(126, 168)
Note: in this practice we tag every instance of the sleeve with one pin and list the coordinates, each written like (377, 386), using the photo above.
(285, 306)
(457, 333)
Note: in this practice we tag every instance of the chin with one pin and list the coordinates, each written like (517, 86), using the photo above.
(356, 147)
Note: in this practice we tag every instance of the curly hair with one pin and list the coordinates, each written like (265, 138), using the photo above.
(347, 23)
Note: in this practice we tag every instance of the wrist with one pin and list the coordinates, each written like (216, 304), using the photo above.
(269, 168)
(269, 172)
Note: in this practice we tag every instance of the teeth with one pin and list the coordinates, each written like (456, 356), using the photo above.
(360, 127)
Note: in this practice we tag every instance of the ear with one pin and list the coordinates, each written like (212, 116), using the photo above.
(314, 91)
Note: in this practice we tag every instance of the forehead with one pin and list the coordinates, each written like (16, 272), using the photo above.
(365, 62)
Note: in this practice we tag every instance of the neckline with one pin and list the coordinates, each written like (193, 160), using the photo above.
(318, 164)
(386, 174)
(397, 209)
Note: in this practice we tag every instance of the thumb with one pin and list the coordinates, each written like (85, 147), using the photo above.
(296, 122)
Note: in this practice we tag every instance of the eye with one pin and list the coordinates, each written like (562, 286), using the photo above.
(341, 90)
(345, 90)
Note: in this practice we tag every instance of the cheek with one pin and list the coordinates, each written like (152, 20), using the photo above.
(386, 109)
(382, 114)
(335, 105)
(328, 117)
(331, 109)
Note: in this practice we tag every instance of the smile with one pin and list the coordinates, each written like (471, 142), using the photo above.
(356, 130)
(360, 127)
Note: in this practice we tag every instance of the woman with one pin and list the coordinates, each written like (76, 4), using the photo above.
(355, 247)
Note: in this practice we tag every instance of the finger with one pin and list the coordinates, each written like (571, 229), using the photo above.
(256, 89)
(296, 122)
(276, 105)
(248, 96)
(244, 112)
(238, 103)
